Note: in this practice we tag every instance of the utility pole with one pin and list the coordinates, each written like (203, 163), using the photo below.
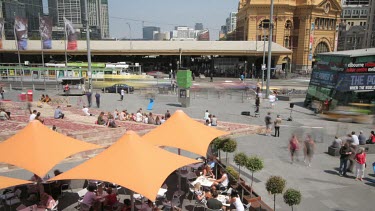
(264, 56)
(269, 51)
(89, 73)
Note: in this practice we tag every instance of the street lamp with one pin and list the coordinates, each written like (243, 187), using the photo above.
(89, 73)
(130, 35)
(269, 51)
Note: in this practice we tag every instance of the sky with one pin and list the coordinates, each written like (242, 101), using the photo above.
(166, 14)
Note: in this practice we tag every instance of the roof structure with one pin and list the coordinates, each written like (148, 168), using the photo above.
(111, 47)
(352, 53)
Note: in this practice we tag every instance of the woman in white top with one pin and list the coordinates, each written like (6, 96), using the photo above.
(236, 201)
(223, 181)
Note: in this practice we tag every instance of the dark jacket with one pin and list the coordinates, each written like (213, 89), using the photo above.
(343, 151)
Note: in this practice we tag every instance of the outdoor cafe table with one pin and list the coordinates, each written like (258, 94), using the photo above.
(204, 181)
(223, 199)
(31, 208)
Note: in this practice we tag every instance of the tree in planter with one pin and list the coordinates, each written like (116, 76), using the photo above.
(292, 197)
(254, 164)
(232, 172)
(275, 185)
(229, 145)
(240, 159)
(218, 145)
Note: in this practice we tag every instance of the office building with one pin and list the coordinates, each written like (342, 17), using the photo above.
(231, 22)
(198, 26)
(203, 35)
(369, 41)
(149, 31)
(306, 27)
(10, 9)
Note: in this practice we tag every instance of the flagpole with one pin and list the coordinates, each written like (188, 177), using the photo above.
(41, 41)
(42, 49)
(18, 49)
(89, 73)
(65, 41)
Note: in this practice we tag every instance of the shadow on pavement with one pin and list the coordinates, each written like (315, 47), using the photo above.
(173, 104)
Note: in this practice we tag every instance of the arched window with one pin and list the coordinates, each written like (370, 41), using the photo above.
(322, 47)
(288, 24)
(265, 24)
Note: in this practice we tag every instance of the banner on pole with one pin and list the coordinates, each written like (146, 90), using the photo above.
(1, 32)
(71, 35)
(45, 29)
(21, 27)
(311, 41)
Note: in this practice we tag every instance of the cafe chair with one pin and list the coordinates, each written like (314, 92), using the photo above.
(65, 187)
(81, 194)
(200, 204)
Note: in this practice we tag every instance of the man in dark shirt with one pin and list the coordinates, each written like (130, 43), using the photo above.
(213, 203)
(89, 95)
(97, 97)
(362, 138)
(167, 115)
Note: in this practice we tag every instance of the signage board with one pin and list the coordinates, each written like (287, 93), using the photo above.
(353, 82)
(361, 67)
(326, 79)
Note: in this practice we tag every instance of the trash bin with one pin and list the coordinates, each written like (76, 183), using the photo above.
(22, 96)
(30, 95)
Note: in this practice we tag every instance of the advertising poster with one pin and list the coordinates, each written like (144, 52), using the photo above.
(71, 35)
(326, 79)
(20, 28)
(45, 28)
(353, 82)
(1, 32)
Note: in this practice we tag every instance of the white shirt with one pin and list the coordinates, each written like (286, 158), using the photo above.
(206, 114)
(162, 121)
(145, 120)
(86, 111)
(355, 140)
(272, 98)
(238, 205)
(122, 92)
(138, 117)
(226, 180)
(32, 117)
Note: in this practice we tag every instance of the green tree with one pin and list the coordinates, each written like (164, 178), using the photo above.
(229, 145)
(275, 185)
(292, 197)
(240, 159)
(218, 143)
(254, 164)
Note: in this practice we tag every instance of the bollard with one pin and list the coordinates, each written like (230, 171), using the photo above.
(242, 97)
(10, 87)
(33, 87)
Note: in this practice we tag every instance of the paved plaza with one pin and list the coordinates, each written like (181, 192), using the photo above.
(320, 184)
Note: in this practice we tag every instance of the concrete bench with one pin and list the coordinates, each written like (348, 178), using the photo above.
(333, 151)
(370, 148)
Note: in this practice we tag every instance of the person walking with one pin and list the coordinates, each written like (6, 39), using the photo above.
(122, 94)
(97, 98)
(360, 159)
(89, 98)
(277, 123)
(309, 150)
(2, 92)
(293, 147)
(268, 121)
(345, 152)
(211, 77)
(257, 104)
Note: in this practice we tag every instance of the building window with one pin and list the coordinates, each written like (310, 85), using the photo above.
(288, 24)
(264, 24)
(322, 47)
(360, 23)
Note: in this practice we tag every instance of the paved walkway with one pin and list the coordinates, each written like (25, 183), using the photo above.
(321, 187)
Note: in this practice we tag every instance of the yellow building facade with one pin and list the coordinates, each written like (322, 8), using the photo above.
(307, 27)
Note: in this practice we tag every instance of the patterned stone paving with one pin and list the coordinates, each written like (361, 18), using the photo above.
(82, 127)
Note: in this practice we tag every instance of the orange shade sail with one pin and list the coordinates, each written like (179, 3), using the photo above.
(131, 163)
(181, 131)
(6, 182)
(38, 149)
